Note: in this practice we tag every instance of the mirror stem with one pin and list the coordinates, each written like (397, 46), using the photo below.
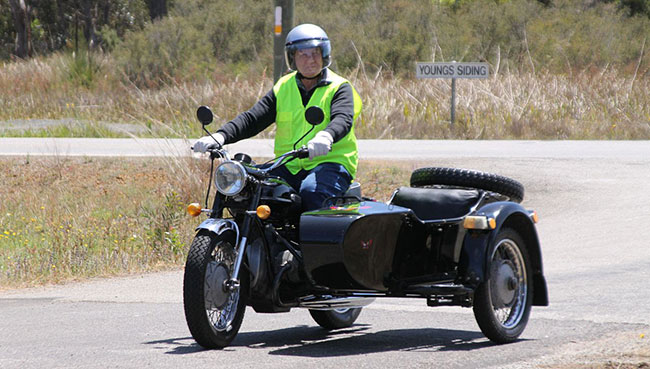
(215, 140)
(303, 136)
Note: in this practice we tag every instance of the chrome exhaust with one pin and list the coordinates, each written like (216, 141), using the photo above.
(331, 302)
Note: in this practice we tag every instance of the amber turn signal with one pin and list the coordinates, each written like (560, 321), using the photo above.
(479, 222)
(194, 209)
(263, 212)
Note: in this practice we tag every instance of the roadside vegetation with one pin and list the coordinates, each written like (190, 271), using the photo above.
(558, 69)
(72, 218)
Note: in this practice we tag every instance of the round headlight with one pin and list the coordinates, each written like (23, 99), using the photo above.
(230, 178)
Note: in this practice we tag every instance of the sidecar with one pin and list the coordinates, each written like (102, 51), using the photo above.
(454, 237)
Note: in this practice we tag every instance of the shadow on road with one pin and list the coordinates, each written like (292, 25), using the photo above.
(357, 340)
(180, 345)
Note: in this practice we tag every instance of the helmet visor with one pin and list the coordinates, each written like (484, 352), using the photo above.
(291, 48)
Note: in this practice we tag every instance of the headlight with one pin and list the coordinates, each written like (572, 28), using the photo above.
(230, 178)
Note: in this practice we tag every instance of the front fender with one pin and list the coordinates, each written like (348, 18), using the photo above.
(218, 226)
(477, 245)
(256, 259)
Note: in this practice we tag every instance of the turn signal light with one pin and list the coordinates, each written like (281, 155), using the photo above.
(263, 212)
(534, 217)
(479, 222)
(194, 209)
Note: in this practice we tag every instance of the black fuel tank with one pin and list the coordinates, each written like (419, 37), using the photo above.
(351, 246)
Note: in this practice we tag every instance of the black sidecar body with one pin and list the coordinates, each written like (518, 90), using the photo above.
(433, 242)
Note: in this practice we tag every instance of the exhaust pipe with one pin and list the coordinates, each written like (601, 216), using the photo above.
(330, 302)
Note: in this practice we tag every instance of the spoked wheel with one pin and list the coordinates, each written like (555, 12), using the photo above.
(336, 318)
(502, 303)
(213, 313)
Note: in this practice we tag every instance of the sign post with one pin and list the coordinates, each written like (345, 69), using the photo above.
(452, 70)
(281, 26)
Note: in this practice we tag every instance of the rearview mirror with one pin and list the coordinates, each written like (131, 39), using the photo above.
(314, 115)
(204, 114)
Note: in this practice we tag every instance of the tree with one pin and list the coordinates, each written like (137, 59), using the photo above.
(157, 8)
(89, 22)
(636, 7)
(20, 14)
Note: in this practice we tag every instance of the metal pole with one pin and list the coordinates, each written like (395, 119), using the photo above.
(453, 100)
(283, 22)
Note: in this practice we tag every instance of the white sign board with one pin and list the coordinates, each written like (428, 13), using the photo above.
(452, 70)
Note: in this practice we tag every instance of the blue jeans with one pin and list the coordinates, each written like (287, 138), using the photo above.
(318, 184)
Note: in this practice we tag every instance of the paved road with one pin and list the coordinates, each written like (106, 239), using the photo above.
(369, 149)
(592, 198)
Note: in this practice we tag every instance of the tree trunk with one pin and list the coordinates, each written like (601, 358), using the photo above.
(20, 14)
(89, 23)
(157, 9)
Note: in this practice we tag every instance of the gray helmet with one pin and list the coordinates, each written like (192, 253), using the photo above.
(306, 36)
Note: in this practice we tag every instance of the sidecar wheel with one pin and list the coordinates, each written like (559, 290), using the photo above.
(335, 319)
(213, 314)
(470, 179)
(502, 303)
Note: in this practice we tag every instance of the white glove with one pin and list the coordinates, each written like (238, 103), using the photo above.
(320, 145)
(204, 142)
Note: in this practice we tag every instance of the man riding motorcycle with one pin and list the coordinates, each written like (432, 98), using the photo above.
(332, 145)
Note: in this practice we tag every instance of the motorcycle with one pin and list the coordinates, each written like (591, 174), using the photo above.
(454, 237)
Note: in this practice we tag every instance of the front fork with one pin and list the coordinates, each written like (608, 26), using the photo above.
(232, 284)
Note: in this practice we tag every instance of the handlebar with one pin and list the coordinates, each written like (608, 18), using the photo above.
(302, 153)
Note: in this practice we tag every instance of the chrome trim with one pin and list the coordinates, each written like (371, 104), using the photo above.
(330, 302)
(242, 172)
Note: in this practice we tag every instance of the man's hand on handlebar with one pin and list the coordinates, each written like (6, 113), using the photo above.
(206, 142)
(320, 145)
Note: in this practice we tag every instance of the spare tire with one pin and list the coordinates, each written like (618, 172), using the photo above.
(454, 177)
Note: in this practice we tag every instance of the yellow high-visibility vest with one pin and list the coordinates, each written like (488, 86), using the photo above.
(291, 123)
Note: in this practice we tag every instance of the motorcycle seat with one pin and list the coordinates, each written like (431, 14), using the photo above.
(354, 190)
(431, 204)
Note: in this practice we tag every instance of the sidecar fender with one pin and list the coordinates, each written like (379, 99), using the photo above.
(477, 246)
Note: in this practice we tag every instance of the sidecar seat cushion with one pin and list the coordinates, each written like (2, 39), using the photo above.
(436, 203)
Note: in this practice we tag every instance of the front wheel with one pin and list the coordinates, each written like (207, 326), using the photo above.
(336, 318)
(502, 303)
(213, 313)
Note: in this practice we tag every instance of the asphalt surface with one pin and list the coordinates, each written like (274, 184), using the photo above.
(592, 198)
(368, 149)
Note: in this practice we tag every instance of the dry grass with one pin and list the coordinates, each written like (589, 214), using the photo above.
(69, 218)
(604, 105)
(601, 104)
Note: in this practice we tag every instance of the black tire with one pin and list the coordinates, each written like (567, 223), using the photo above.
(213, 315)
(468, 179)
(335, 319)
(502, 303)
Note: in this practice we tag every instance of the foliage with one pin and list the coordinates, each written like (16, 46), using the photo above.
(577, 70)
(220, 37)
(59, 25)
(635, 7)
(515, 34)
(196, 39)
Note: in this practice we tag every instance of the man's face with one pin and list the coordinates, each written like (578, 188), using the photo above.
(309, 62)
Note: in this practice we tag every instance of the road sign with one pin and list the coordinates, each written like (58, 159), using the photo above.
(452, 70)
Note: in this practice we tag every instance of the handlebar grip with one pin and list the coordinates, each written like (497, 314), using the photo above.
(302, 153)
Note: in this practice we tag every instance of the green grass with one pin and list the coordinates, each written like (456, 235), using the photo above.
(71, 218)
